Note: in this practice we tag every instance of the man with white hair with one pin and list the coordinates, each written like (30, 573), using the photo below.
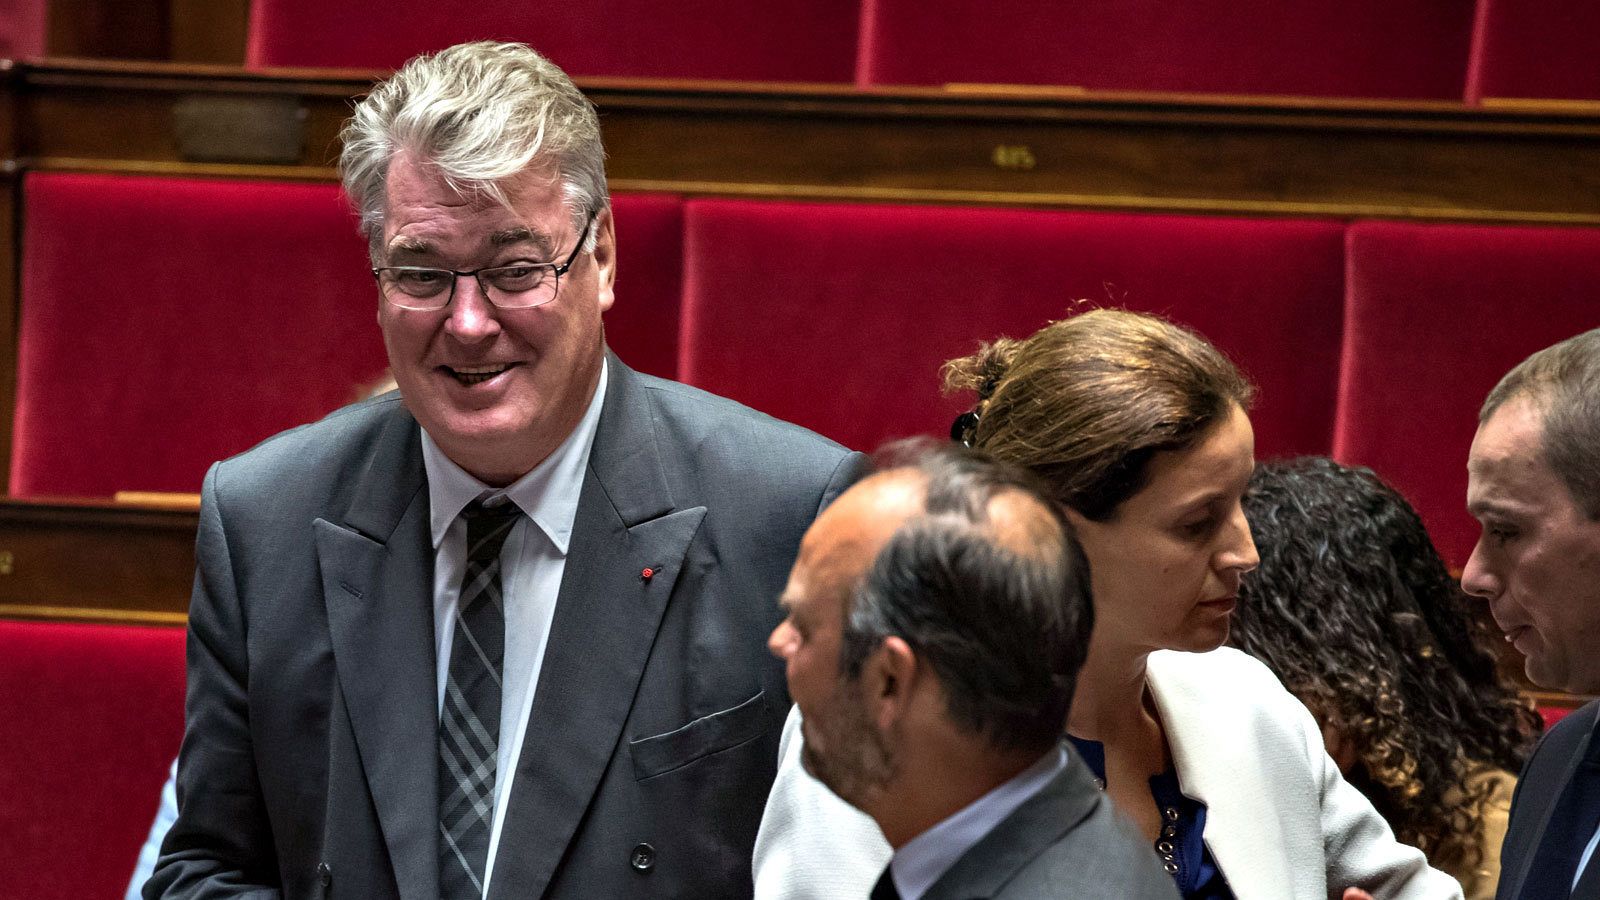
(502, 635)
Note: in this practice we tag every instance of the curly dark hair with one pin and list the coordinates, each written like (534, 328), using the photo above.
(1357, 614)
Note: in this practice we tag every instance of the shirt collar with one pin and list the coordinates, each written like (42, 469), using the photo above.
(548, 494)
(918, 864)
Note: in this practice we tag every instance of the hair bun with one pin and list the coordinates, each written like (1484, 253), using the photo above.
(982, 371)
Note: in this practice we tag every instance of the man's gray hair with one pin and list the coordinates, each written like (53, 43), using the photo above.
(1563, 382)
(481, 113)
(1002, 619)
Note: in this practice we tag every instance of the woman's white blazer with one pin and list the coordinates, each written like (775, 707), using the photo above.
(1281, 822)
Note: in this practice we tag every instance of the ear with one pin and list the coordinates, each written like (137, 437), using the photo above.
(889, 681)
(605, 259)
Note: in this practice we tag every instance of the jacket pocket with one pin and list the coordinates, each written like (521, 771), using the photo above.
(662, 753)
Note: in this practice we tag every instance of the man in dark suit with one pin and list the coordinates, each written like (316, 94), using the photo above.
(499, 635)
(937, 617)
(1534, 485)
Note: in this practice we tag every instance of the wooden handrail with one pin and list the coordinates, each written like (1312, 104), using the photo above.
(985, 144)
(89, 559)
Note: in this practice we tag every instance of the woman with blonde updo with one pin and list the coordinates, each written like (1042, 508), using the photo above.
(1141, 428)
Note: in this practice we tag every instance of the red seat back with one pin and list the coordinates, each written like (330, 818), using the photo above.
(1547, 49)
(1552, 715)
(167, 323)
(642, 326)
(1436, 315)
(785, 40)
(22, 28)
(839, 316)
(93, 715)
(1356, 48)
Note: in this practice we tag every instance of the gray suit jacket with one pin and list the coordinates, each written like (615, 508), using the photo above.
(309, 759)
(1065, 841)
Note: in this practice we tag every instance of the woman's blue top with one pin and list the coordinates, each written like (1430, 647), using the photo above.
(1181, 845)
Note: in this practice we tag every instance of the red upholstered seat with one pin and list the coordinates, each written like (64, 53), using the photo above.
(1358, 48)
(785, 40)
(1546, 49)
(22, 28)
(839, 316)
(642, 326)
(1436, 315)
(92, 717)
(168, 323)
(1553, 714)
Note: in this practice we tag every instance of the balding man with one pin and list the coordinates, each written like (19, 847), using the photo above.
(936, 620)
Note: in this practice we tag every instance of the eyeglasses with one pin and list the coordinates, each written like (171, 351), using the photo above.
(517, 286)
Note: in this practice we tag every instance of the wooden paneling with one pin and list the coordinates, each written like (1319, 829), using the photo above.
(125, 117)
(1276, 156)
(87, 560)
(1349, 159)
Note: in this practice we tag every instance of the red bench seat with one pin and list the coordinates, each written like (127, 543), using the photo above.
(93, 715)
(1436, 315)
(838, 316)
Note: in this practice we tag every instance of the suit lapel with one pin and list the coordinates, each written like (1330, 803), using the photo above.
(605, 624)
(377, 583)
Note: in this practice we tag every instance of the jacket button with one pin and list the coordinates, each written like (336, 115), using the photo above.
(324, 874)
(643, 858)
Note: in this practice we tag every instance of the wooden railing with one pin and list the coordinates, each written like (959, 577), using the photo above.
(90, 560)
(1523, 162)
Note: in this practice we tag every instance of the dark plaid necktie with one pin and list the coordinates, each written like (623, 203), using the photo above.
(885, 889)
(1572, 824)
(469, 725)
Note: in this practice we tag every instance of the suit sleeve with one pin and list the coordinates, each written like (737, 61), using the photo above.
(1359, 848)
(221, 844)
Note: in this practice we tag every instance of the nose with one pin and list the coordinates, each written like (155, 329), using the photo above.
(781, 642)
(1476, 579)
(472, 317)
(1239, 554)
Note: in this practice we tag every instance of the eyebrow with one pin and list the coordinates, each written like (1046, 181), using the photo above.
(411, 245)
(506, 237)
(1479, 508)
(1202, 500)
